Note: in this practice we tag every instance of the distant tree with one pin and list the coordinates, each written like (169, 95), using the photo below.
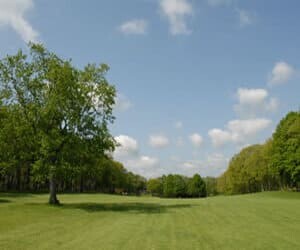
(168, 186)
(211, 186)
(180, 186)
(65, 108)
(196, 187)
(155, 186)
(250, 171)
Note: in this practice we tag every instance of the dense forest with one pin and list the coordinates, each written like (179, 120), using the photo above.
(270, 166)
(177, 186)
(54, 135)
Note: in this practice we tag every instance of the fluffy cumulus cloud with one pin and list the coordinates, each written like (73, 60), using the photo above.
(122, 103)
(128, 153)
(219, 137)
(196, 139)
(143, 165)
(12, 13)
(128, 146)
(281, 73)
(176, 11)
(143, 162)
(134, 27)
(245, 17)
(211, 165)
(254, 102)
(158, 141)
(238, 131)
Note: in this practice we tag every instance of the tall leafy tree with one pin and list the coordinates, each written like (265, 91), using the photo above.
(155, 186)
(196, 187)
(67, 109)
(286, 150)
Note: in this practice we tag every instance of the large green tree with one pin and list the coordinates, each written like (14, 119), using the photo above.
(250, 171)
(67, 109)
(286, 150)
(155, 186)
(196, 187)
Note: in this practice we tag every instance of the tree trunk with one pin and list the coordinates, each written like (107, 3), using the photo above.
(53, 199)
(18, 178)
(81, 184)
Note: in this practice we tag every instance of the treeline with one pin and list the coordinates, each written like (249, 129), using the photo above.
(177, 186)
(107, 176)
(270, 166)
(54, 135)
(21, 170)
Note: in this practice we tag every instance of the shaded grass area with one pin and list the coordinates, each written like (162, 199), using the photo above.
(120, 207)
(4, 201)
(268, 220)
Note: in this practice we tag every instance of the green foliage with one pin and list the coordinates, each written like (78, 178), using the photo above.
(196, 187)
(169, 186)
(249, 171)
(62, 110)
(270, 166)
(286, 150)
(211, 186)
(155, 186)
(177, 186)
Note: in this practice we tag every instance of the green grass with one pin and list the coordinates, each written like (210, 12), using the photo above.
(96, 221)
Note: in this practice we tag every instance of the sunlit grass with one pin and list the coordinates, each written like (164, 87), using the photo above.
(96, 221)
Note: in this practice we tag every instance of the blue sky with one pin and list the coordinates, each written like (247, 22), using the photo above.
(196, 80)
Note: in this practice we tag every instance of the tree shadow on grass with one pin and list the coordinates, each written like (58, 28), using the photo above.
(123, 207)
(15, 195)
(4, 201)
(133, 207)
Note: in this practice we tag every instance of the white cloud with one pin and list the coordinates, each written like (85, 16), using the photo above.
(242, 129)
(190, 165)
(217, 160)
(215, 3)
(122, 103)
(134, 27)
(158, 141)
(142, 162)
(251, 96)
(281, 73)
(177, 11)
(178, 124)
(128, 153)
(254, 102)
(245, 17)
(238, 131)
(196, 139)
(12, 14)
(212, 165)
(128, 146)
(143, 165)
(219, 137)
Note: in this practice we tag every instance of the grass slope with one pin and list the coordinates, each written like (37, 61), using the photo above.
(97, 221)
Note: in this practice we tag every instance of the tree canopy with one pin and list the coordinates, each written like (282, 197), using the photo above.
(177, 186)
(64, 111)
(269, 166)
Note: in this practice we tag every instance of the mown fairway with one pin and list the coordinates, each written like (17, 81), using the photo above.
(93, 221)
